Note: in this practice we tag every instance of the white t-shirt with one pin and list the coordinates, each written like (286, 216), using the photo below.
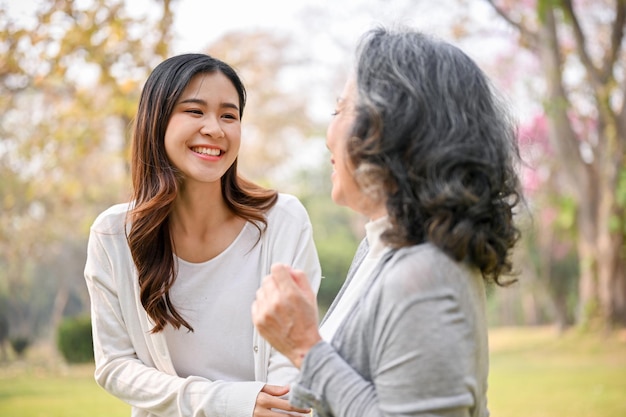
(218, 348)
(373, 230)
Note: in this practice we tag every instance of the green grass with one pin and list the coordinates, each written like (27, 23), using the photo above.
(29, 392)
(534, 373)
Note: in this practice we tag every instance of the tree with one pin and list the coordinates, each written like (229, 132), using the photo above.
(69, 82)
(581, 54)
(4, 330)
(276, 120)
(547, 251)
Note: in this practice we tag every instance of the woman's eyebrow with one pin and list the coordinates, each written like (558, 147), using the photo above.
(194, 100)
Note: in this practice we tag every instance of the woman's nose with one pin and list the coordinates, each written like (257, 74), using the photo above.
(211, 127)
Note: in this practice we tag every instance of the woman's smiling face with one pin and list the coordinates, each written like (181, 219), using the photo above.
(204, 131)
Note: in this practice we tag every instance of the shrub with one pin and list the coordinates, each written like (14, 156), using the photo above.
(4, 327)
(19, 345)
(74, 339)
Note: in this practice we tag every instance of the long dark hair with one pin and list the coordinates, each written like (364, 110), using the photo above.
(430, 125)
(156, 183)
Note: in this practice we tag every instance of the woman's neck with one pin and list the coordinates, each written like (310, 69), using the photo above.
(199, 207)
(201, 224)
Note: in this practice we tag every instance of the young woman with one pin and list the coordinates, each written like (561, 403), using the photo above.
(172, 274)
(420, 145)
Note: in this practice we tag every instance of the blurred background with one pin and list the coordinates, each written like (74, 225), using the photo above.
(70, 76)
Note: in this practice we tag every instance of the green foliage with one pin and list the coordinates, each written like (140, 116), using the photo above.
(336, 243)
(336, 230)
(335, 257)
(69, 86)
(621, 189)
(74, 339)
(617, 222)
(545, 6)
(565, 222)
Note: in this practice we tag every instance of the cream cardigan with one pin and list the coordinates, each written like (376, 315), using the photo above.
(134, 365)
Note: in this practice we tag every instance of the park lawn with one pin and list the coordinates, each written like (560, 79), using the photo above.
(534, 373)
(72, 393)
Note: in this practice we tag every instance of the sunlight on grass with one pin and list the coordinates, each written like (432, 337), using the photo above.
(534, 373)
(537, 373)
(72, 393)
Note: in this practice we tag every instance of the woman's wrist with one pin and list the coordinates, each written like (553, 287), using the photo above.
(298, 355)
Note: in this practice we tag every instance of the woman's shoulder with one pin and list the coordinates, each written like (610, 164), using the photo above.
(422, 254)
(425, 267)
(288, 208)
(111, 220)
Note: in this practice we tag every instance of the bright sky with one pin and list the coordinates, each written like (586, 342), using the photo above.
(327, 30)
(199, 21)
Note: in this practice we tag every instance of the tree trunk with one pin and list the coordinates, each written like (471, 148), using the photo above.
(576, 175)
(609, 161)
(619, 293)
(591, 181)
(611, 261)
(588, 302)
(60, 302)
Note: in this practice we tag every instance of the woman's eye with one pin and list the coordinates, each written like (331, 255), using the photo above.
(230, 116)
(335, 113)
(194, 111)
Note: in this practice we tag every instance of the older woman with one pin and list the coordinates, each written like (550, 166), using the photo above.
(423, 148)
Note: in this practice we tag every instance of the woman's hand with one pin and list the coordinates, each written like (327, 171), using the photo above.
(269, 403)
(285, 312)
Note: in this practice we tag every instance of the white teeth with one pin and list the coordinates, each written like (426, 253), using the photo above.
(206, 151)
